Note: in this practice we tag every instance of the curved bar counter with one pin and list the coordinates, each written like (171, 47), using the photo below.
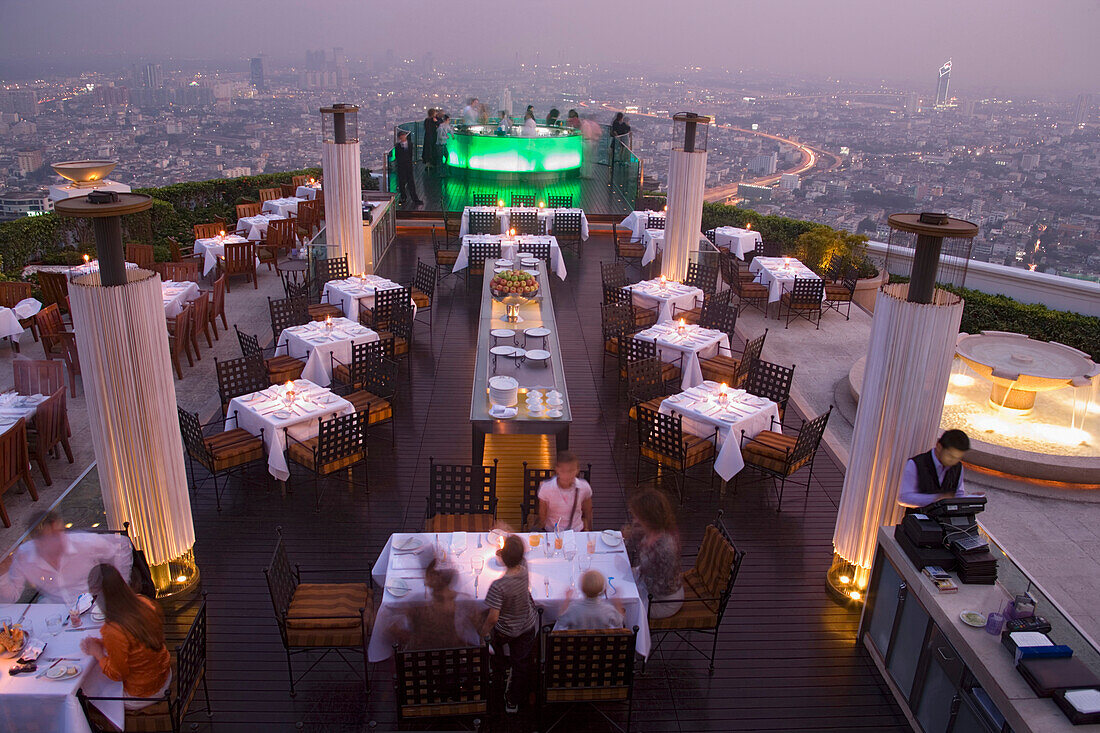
(554, 151)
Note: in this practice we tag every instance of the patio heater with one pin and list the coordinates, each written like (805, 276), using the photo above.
(909, 358)
(343, 187)
(687, 174)
(118, 317)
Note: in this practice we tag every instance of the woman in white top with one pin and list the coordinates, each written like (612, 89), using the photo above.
(565, 501)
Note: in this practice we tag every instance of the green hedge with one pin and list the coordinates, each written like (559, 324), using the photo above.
(985, 312)
(55, 240)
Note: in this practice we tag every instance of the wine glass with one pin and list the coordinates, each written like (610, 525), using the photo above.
(586, 563)
(570, 552)
(53, 624)
(477, 564)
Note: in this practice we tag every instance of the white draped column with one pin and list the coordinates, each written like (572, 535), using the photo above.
(340, 161)
(687, 175)
(131, 396)
(908, 367)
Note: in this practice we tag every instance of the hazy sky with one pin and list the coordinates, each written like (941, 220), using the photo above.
(1015, 46)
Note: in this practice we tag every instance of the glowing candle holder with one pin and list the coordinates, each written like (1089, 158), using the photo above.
(665, 209)
(542, 204)
(664, 283)
(328, 323)
(289, 394)
(87, 259)
(723, 395)
(512, 232)
(681, 326)
(500, 203)
(500, 543)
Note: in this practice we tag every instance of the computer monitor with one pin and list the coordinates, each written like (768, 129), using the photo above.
(955, 507)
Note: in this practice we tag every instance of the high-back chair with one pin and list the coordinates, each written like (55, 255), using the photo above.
(49, 431)
(185, 271)
(523, 199)
(281, 368)
(223, 453)
(240, 259)
(51, 328)
(539, 250)
(780, 455)
(423, 289)
(563, 201)
(524, 222)
(613, 275)
(251, 209)
(461, 497)
(385, 301)
(838, 294)
(645, 385)
(643, 316)
(617, 320)
(333, 268)
(803, 300)
(486, 198)
(208, 230)
(771, 381)
(11, 293)
(532, 480)
(483, 222)
(702, 276)
(633, 349)
(663, 443)
(441, 683)
(655, 221)
(140, 254)
(587, 667)
(267, 194)
(55, 289)
(14, 464)
(287, 312)
(568, 231)
(237, 377)
(627, 250)
(340, 445)
(179, 339)
(37, 376)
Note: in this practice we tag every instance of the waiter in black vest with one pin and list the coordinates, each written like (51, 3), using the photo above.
(937, 474)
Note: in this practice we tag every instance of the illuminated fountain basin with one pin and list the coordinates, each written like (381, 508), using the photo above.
(84, 173)
(553, 151)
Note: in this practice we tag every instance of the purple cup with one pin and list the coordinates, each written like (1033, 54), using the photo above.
(994, 622)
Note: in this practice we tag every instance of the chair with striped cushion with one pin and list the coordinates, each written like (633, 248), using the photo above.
(708, 586)
(586, 668)
(441, 683)
(340, 445)
(618, 324)
(315, 309)
(633, 349)
(803, 300)
(461, 498)
(771, 381)
(325, 617)
(532, 480)
(726, 368)
(287, 312)
(716, 302)
(645, 385)
(613, 275)
(842, 294)
(749, 293)
(223, 453)
(163, 714)
(280, 369)
(627, 250)
(663, 443)
(369, 383)
(445, 254)
(779, 455)
(423, 289)
(643, 316)
(238, 377)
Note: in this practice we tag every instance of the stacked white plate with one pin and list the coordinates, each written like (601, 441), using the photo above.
(503, 391)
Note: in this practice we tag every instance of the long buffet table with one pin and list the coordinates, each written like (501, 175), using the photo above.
(540, 375)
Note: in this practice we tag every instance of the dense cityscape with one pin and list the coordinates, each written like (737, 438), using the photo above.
(1025, 170)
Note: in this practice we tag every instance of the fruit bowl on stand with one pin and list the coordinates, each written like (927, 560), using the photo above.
(513, 288)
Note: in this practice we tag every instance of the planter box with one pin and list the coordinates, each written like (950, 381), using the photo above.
(867, 288)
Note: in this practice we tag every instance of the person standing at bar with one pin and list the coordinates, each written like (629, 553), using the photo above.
(406, 186)
(470, 111)
(937, 474)
(442, 139)
(431, 127)
(552, 117)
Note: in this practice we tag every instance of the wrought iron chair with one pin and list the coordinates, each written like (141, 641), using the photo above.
(14, 464)
(780, 455)
(483, 222)
(165, 713)
(326, 617)
(280, 369)
(340, 445)
(486, 198)
(567, 230)
(708, 586)
(48, 431)
(461, 498)
(587, 667)
(315, 310)
(662, 442)
(803, 300)
(539, 250)
(643, 316)
(655, 221)
(613, 275)
(627, 250)
(635, 349)
(645, 385)
(749, 293)
(334, 268)
(445, 253)
(771, 381)
(842, 294)
(287, 312)
(441, 683)
(478, 253)
(240, 259)
(618, 323)
(524, 222)
(523, 199)
(223, 453)
(715, 302)
(532, 480)
(717, 313)
(423, 289)
(564, 201)
(726, 368)
(702, 276)
(369, 383)
(237, 377)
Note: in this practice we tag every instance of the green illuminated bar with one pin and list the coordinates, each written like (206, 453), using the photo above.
(480, 148)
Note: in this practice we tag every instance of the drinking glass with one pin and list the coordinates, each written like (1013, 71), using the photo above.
(534, 539)
(994, 622)
(570, 553)
(586, 563)
(548, 548)
(477, 564)
(53, 623)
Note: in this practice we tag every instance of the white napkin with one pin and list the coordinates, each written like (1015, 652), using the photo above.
(27, 307)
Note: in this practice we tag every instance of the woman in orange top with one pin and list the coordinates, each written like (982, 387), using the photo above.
(132, 649)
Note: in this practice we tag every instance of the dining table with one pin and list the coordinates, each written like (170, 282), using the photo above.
(665, 294)
(9, 324)
(89, 267)
(356, 289)
(269, 410)
(14, 406)
(778, 274)
(284, 206)
(176, 295)
(704, 411)
(654, 241)
(319, 341)
(255, 227)
(504, 214)
(637, 222)
(738, 241)
(213, 248)
(307, 192)
(686, 343)
(45, 701)
(399, 572)
(511, 247)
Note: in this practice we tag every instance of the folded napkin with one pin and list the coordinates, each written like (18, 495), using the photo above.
(32, 651)
(27, 307)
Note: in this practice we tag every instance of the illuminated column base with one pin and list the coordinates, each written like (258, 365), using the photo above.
(909, 360)
(687, 175)
(131, 397)
(176, 576)
(344, 206)
(847, 582)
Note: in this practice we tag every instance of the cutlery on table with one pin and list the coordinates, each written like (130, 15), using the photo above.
(547, 582)
(47, 669)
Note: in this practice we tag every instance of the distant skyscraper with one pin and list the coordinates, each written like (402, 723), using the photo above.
(256, 78)
(942, 84)
(1081, 111)
(912, 103)
(152, 77)
(23, 102)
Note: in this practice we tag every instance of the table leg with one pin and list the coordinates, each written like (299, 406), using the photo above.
(478, 434)
(561, 439)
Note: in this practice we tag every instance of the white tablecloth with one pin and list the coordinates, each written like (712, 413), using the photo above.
(258, 410)
(654, 241)
(648, 293)
(176, 295)
(14, 406)
(30, 704)
(9, 324)
(93, 266)
(747, 412)
(256, 226)
(696, 343)
(214, 247)
(779, 273)
(318, 343)
(307, 193)
(611, 561)
(282, 207)
(636, 222)
(358, 290)
(509, 247)
(504, 214)
(737, 241)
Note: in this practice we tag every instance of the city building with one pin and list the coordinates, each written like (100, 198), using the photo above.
(764, 164)
(152, 77)
(912, 103)
(22, 102)
(29, 160)
(256, 72)
(20, 204)
(789, 181)
(1029, 161)
(1082, 109)
(943, 82)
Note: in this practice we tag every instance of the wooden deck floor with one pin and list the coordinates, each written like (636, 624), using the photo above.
(787, 658)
